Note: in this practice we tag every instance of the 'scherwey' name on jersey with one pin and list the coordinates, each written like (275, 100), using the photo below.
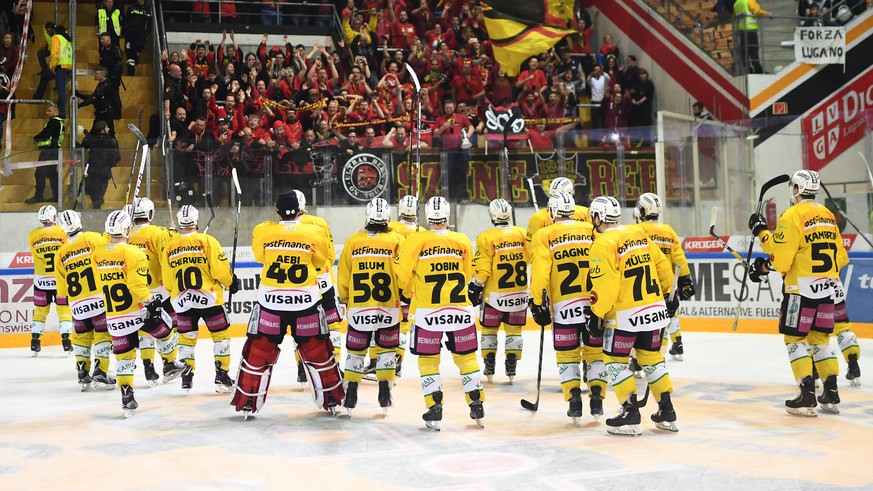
(287, 245)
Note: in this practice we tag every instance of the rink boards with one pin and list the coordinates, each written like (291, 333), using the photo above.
(717, 277)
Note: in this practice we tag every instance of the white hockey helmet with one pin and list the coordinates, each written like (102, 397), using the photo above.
(145, 208)
(561, 185)
(47, 214)
(606, 208)
(118, 224)
(437, 210)
(187, 217)
(70, 222)
(500, 211)
(807, 182)
(407, 208)
(301, 199)
(648, 206)
(378, 212)
(562, 205)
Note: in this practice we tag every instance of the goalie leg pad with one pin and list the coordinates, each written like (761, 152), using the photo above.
(255, 369)
(324, 374)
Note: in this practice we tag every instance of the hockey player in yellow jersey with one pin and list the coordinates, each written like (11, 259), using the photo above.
(76, 281)
(195, 273)
(44, 243)
(368, 286)
(436, 266)
(152, 240)
(289, 298)
(122, 276)
(542, 218)
(406, 224)
(559, 267)
(647, 214)
(630, 279)
(499, 284)
(807, 250)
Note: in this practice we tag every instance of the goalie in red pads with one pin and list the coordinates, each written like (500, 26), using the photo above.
(292, 254)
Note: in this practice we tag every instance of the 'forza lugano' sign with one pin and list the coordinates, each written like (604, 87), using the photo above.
(365, 176)
(820, 45)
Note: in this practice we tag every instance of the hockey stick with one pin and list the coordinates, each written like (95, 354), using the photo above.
(211, 212)
(533, 406)
(766, 187)
(861, 234)
(81, 187)
(414, 77)
(235, 179)
(132, 167)
(867, 164)
(712, 219)
(533, 194)
(144, 145)
(168, 184)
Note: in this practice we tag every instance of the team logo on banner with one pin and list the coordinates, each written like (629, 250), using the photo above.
(365, 176)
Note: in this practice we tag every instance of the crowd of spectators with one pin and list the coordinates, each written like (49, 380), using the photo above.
(284, 105)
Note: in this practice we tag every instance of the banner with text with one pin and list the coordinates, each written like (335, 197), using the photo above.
(820, 45)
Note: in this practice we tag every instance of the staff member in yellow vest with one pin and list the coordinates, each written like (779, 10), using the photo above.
(48, 141)
(60, 69)
(43, 54)
(747, 49)
(109, 20)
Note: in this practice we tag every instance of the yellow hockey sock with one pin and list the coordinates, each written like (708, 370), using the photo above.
(471, 377)
(569, 372)
(656, 372)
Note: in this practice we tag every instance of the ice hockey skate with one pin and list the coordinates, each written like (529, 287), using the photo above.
(511, 364)
(370, 371)
(627, 422)
(434, 414)
(35, 344)
(67, 344)
(853, 373)
(477, 411)
(187, 378)
(804, 404)
(223, 382)
(247, 410)
(172, 371)
(385, 400)
(100, 380)
(490, 364)
(398, 366)
(84, 376)
(351, 399)
(150, 374)
(665, 418)
(595, 400)
(128, 403)
(676, 349)
(830, 397)
(575, 410)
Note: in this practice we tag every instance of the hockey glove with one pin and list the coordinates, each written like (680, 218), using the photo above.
(154, 308)
(234, 285)
(594, 324)
(759, 269)
(757, 224)
(672, 305)
(403, 298)
(540, 314)
(686, 288)
(474, 292)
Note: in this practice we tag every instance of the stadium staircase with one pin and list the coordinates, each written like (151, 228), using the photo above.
(137, 101)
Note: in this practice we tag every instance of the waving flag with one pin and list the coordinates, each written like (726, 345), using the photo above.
(522, 28)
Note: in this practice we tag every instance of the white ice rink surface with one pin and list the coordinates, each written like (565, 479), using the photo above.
(729, 392)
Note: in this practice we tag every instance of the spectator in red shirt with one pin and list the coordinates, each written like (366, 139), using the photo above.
(402, 32)
(554, 106)
(370, 140)
(608, 47)
(531, 104)
(450, 127)
(467, 87)
(532, 79)
(356, 85)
